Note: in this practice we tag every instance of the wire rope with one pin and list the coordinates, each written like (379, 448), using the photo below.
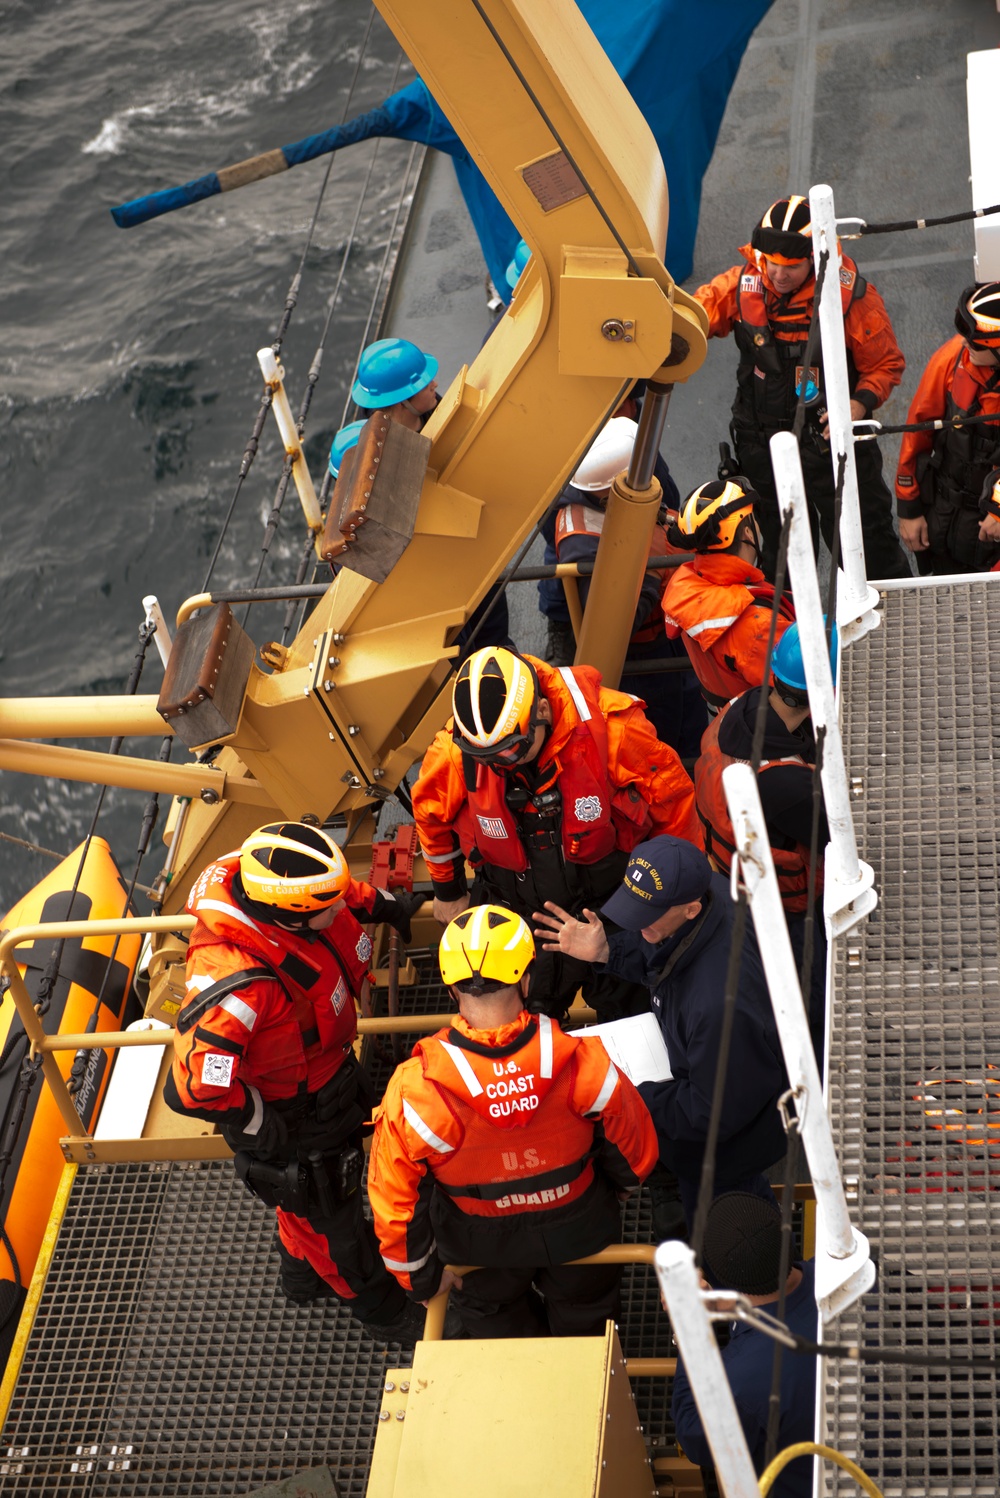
(291, 300)
(591, 194)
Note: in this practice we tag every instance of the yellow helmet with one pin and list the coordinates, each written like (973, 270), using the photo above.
(487, 944)
(712, 514)
(292, 866)
(495, 703)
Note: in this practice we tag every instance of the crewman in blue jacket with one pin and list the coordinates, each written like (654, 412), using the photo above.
(674, 918)
(742, 1251)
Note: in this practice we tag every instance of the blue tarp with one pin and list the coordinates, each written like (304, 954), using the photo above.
(678, 59)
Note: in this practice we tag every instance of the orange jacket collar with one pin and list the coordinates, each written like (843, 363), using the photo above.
(727, 570)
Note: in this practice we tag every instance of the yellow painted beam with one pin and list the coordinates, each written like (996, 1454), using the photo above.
(130, 773)
(80, 718)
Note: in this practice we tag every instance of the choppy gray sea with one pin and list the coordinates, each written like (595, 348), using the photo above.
(128, 376)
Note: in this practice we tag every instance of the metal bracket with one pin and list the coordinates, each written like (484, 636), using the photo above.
(846, 905)
(840, 1282)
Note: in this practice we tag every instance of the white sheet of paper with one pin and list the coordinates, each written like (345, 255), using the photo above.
(636, 1046)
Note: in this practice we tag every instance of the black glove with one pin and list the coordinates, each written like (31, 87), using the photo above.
(407, 903)
(270, 1142)
(395, 910)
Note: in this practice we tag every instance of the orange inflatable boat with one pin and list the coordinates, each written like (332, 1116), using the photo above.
(30, 1123)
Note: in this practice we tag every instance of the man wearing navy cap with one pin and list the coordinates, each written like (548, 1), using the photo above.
(676, 918)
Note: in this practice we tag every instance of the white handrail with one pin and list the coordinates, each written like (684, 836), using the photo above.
(848, 890)
(856, 600)
(843, 1267)
(678, 1278)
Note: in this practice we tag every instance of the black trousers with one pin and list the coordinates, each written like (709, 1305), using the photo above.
(884, 557)
(578, 1300)
(534, 1249)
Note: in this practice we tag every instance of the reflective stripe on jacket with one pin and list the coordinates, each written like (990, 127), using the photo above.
(715, 604)
(283, 1036)
(790, 865)
(618, 784)
(503, 1122)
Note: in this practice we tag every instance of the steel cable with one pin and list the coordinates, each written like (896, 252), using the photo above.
(315, 367)
(900, 226)
(291, 299)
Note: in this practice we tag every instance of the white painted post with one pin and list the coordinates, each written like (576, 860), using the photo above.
(154, 615)
(981, 91)
(274, 376)
(696, 1342)
(848, 889)
(843, 1267)
(856, 600)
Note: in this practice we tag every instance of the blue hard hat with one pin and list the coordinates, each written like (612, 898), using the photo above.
(786, 662)
(522, 255)
(345, 439)
(390, 371)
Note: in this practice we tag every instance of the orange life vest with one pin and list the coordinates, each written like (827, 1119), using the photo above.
(320, 978)
(790, 865)
(771, 334)
(595, 817)
(523, 1148)
(788, 323)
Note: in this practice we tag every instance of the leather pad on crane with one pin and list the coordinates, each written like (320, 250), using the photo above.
(206, 677)
(373, 507)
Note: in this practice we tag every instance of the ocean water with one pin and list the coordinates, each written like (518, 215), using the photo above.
(128, 373)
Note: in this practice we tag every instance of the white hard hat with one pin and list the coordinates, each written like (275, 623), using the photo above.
(609, 454)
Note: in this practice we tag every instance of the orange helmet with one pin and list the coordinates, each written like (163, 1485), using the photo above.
(293, 867)
(712, 514)
(785, 232)
(495, 703)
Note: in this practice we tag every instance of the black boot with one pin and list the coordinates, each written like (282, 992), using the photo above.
(560, 644)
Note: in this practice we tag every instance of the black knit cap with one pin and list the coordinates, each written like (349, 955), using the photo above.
(742, 1247)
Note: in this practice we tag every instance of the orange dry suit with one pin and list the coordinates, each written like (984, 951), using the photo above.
(283, 1031)
(791, 864)
(941, 474)
(771, 330)
(487, 1139)
(722, 608)
(601, 784)
(269, 1021)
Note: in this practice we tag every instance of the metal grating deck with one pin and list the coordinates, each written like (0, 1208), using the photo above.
(164, 1362)
(915, 1049)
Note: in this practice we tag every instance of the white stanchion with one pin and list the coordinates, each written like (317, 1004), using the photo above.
(843, 1267)
(154, 615)
(856, 600)
(678, 1279)
(848, 887)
